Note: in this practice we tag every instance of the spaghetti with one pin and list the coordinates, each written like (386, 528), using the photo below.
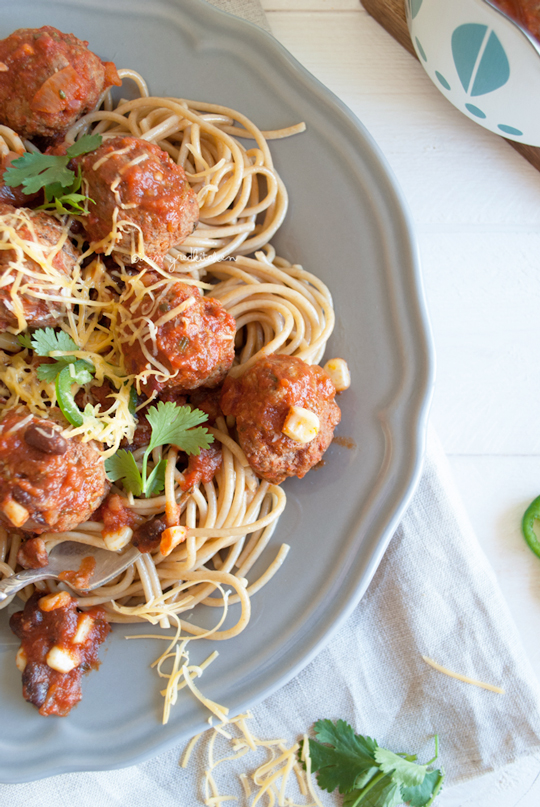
(229, 516)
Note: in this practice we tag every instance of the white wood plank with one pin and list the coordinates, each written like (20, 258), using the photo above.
(312, 5)
(496, 492)
(481, 290)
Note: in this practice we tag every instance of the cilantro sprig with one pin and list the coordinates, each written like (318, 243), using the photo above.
(47, 341)
(66, 370)
(368, 775)
(171, 425)
(34, 171)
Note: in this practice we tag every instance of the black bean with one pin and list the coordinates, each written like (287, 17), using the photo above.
(147, 537)
(22, 496)
(16, 624)
(45, 438)
(36, 679)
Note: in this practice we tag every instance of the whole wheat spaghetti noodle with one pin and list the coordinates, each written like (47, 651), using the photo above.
(226, 523)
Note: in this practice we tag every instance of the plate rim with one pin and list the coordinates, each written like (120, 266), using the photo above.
(410, 465)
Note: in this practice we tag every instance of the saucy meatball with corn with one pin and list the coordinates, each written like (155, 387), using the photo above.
(142, 202)
(48, 80)
(285, 415)
(48, 483)
(188, 336)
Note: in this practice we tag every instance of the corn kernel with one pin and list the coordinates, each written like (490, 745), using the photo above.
(52, 601)
(117, 539)
(16, 513)
(170, 538)
(62, 660)
(21, 659)
(84, 626)
(338, 371)
(301, 425)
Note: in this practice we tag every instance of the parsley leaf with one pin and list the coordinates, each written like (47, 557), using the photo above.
(174, 425)
(171, 425)
(368, 775)
(34, 171)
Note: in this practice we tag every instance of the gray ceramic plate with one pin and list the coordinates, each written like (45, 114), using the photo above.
(346, 223)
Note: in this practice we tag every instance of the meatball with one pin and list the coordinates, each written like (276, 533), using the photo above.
(261, 399)
(138, 191)
(47, 483)
(48, 80)
(36, 232)
(195, 345)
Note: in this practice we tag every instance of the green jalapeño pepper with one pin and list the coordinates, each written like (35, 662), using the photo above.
(75, 373)
(532, 514)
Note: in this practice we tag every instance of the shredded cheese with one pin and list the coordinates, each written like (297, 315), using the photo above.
(270, 778)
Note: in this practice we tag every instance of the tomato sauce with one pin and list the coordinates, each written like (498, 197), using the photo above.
(50, 628)
(80, 578)
(116, 515)
(202, 467)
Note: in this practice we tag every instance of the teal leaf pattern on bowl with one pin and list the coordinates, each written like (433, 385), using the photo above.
(480, 59)
(420, 49)
(442, 80)
(415, 7)
(475, 111)
(509, 130)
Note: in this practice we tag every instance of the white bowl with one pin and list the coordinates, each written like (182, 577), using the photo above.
(485, 63)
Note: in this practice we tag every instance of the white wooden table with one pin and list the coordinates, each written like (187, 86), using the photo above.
(476, 206)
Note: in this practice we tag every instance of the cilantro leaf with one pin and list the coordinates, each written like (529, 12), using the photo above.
(25, 340)
(122, 466)
(410, 773)
(46, 340)
(174, 425)
(48, 372)
(423, 795)
(82, 370)
(380, 792)
(171, 424)
(366, 774)
(34, 171)
(156, 480)
(346, 761)
(85, 144)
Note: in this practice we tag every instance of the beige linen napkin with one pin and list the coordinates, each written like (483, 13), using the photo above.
(434, 594)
